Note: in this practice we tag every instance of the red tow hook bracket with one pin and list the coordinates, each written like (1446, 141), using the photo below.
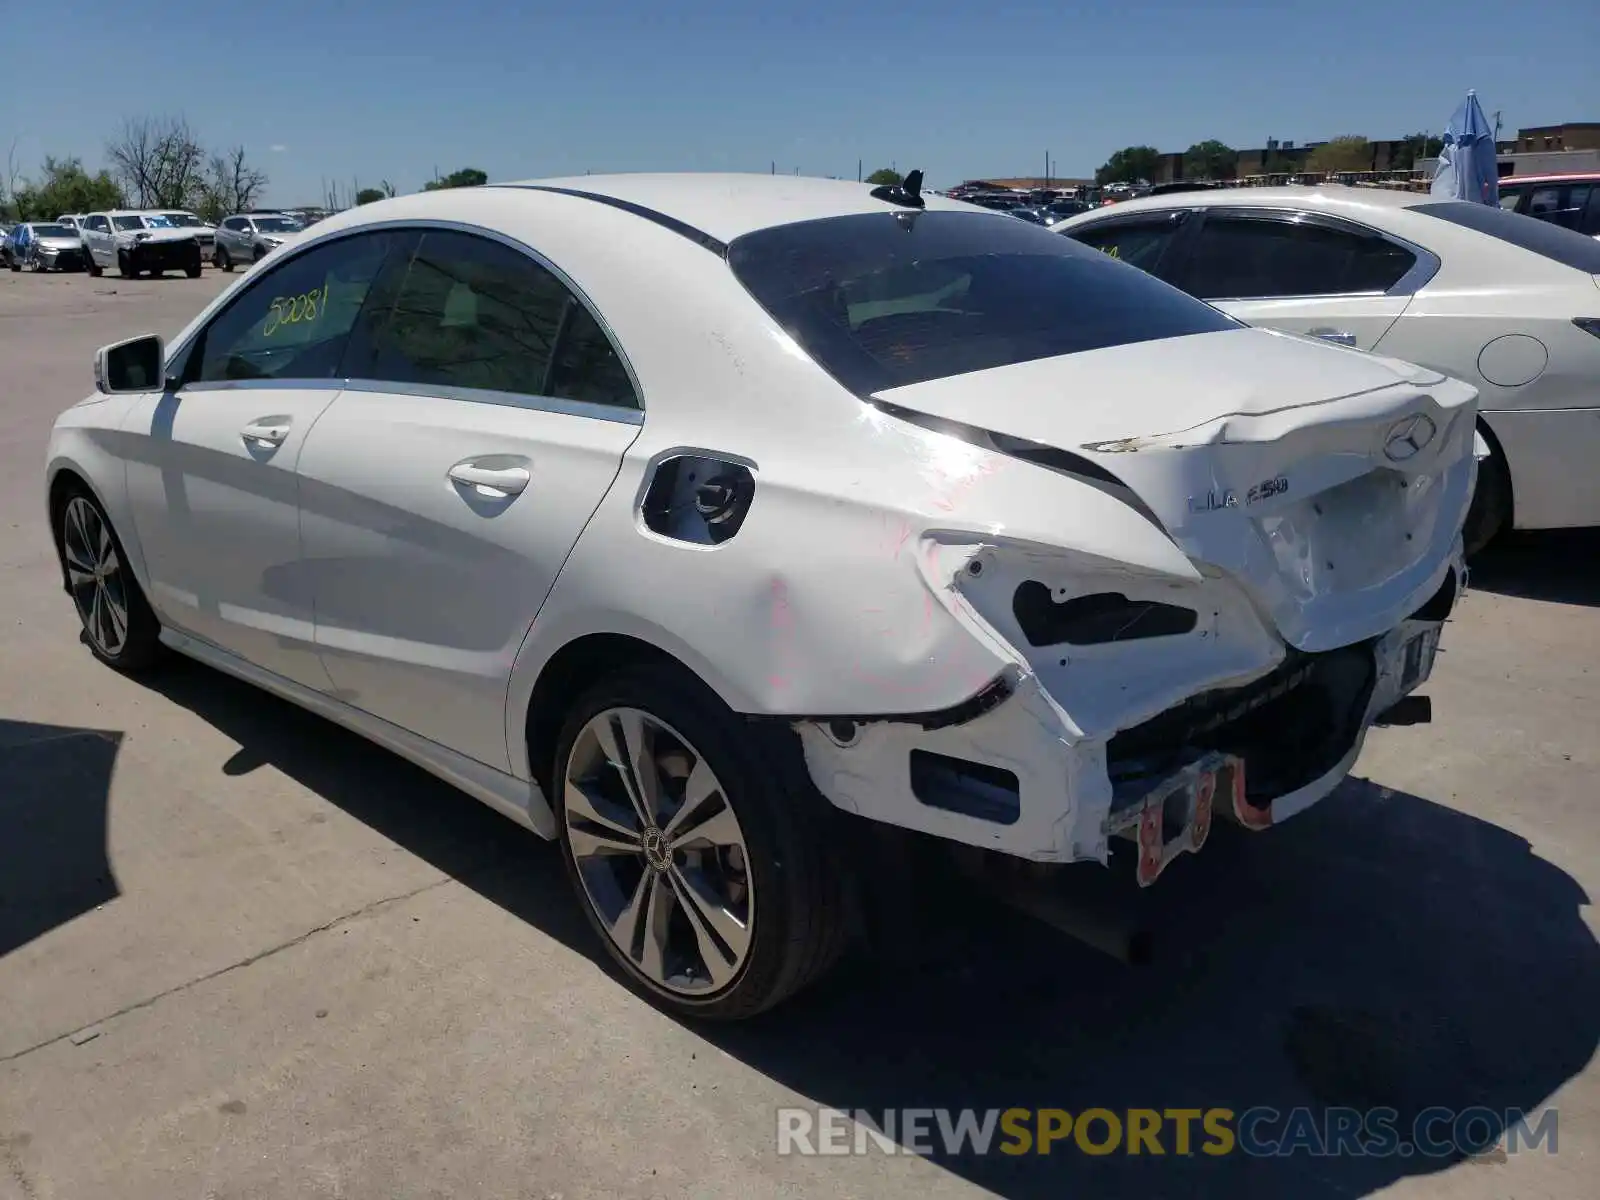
(1174, 817)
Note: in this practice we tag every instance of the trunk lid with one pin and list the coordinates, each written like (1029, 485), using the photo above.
(1330, 483)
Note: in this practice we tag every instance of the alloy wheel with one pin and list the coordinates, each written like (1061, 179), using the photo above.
(95, 575)
(659, 851)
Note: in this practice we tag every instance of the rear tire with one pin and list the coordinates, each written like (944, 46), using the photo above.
(193, 270)
(1490, 512)
(771, 864)
(118, 624)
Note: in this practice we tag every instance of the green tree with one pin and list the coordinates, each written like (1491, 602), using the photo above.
(64, 186)
(1414, 146)
(1209, 159)
(885, 175)
(368, 195)
(1348, 153)
(1129, 165)
(466, 177)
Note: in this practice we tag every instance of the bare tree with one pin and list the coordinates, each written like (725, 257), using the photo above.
(158, 161)
(13, 182)
(232, 185)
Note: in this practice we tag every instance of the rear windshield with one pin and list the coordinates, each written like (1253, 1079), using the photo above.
(1540, 237)
(882, 300)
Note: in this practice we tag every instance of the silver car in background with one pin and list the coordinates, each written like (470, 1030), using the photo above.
(49, 246)
(249, 237)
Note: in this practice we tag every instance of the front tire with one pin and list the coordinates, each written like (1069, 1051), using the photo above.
(1489, 515)
(697, 846)
(193, 270)
(93, 267)
(118, 624)
(223, 259)
(125, 265)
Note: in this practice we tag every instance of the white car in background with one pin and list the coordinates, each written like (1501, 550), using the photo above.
(203, 232)
(1508, 303)
(136, 243)
(668, 514)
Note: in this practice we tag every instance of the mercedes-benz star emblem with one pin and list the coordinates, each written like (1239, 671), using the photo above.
(1407, 437)
(656, 852)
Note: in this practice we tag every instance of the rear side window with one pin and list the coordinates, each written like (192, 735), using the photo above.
(882, 300)
(1137, 243)
(1537, 237)
(1242, 257)
(474, 313)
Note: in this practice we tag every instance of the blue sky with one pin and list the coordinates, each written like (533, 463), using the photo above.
(355, 89)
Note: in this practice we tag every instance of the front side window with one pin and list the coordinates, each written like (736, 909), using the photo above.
(276, 225)
(1137, 243)
(128, 223)
(883, 300)
(294, 321)
(470, 312)
(1242, 257)
(98, 224)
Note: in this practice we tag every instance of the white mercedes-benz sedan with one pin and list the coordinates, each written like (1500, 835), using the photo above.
(1506, 302)
(670, 515)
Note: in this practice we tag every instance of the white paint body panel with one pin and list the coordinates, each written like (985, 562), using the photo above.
(218, 515)
(849, 589)
(1486, 290)
(426, 588)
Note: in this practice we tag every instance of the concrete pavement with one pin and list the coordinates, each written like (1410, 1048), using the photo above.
(246, 954)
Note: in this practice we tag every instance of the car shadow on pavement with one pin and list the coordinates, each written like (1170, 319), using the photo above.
(1562, 565)
(1379, 951)
(54, 785)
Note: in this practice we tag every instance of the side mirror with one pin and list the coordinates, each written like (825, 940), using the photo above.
(131, 366)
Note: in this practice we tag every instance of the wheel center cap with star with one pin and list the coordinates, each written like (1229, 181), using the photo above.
(655, 849)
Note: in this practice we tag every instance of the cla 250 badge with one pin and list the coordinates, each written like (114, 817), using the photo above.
(1216, 501)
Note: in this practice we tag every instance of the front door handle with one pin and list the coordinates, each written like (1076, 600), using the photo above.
(496, 482)
(1339, 336)
(266, 434)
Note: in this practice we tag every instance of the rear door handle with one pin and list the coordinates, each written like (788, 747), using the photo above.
(267, 433)
(1339, 336)
(492, 481)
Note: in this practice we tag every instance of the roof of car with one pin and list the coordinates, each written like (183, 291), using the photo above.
(1331, 196)
(1561, 177)
(727, 205)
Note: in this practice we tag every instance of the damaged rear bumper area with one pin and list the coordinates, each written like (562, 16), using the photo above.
(1023, 771)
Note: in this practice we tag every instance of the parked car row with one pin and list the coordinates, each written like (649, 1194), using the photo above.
(1483, 294)
(147, 241)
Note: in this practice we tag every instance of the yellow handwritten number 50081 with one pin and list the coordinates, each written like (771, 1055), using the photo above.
(295, 310)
